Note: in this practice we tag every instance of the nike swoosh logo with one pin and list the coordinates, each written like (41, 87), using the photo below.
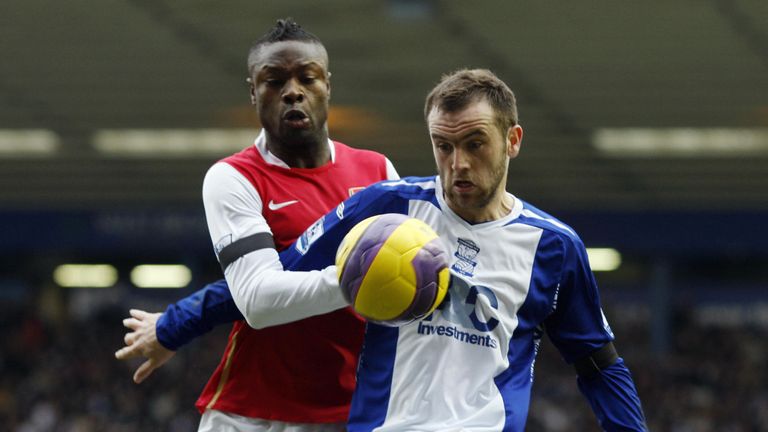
(277, 206)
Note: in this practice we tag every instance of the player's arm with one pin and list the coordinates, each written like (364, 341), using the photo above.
(581, 333)
(208, 307)
(246, 252)
(612, 395)
(265, 293)
(199, 313)
(196, 315)
(155, 336)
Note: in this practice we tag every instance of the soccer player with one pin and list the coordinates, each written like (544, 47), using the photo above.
(298, 376)
(517, 273)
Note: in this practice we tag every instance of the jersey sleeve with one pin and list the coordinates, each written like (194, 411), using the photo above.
(613, 398)
(196, 315)
(233, 207)
(578, 328)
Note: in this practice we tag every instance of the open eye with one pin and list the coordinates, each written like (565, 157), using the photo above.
(443, 147)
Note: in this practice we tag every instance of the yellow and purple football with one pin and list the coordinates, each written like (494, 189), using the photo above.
(393, 269)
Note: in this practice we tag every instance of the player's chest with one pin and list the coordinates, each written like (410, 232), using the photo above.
(291, 204)
(491, 278)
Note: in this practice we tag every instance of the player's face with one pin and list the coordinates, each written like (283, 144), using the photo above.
(291, 89)
(472, 156)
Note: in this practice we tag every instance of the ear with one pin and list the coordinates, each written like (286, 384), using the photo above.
(251, 90)
(514, 139)
(328, 84)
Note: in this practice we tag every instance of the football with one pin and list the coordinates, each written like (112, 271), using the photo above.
(392, 269)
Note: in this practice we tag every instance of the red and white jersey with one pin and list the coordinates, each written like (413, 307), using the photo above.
(303, 371)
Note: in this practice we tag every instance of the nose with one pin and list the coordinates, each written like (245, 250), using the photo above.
(460, 160)
(292, 92)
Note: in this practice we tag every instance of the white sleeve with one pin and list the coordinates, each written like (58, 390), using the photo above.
(265, 294)
(391, 171)
(232, 206)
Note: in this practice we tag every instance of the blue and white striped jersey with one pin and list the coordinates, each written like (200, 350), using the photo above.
(469, 366)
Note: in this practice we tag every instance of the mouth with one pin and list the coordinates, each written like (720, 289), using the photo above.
(296, 119)
(463, 185)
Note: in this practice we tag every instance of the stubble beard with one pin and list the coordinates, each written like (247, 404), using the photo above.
(485, 196)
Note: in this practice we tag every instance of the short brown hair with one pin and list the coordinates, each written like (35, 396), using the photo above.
(458, 89)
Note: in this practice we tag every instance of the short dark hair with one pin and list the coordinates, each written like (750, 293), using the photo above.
(284, 30)
(457, 90)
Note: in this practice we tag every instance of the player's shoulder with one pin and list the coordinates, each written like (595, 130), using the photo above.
(411, 187)
(249, 154)
(343, 150)
(247, 162)
(395, 195)
(221, 172)
(533, 216)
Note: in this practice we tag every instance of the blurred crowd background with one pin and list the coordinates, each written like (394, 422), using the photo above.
(58, 374)
(646, 129)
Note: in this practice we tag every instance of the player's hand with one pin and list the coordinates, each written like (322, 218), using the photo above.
(142, 342)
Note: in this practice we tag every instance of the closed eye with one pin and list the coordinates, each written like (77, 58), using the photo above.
(274, 82)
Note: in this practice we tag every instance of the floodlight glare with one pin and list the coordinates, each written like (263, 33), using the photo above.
(85, 275)
(161, 276)
(604, 259)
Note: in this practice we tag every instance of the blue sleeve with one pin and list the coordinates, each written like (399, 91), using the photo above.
(316, 247)
(196, 315)
(577, 328)
(614, 400)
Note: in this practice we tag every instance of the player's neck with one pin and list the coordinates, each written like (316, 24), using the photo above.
(500, 206)
(309, 153)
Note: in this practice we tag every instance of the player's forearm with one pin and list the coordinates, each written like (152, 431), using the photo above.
(614, 400)
(196, 315)
(268, 297)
